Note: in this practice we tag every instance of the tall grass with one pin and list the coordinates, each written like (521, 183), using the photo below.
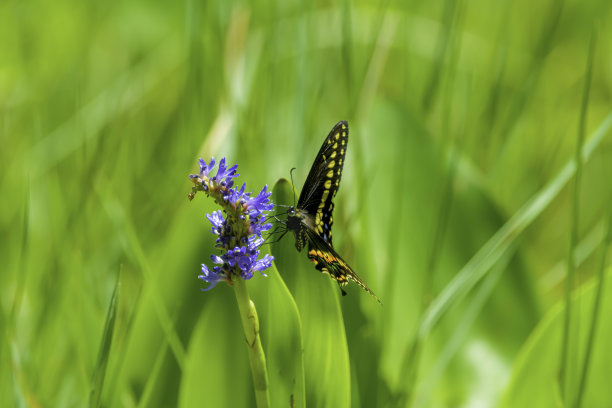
(454, 204)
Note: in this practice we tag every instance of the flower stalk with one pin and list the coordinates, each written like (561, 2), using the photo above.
(257, 358)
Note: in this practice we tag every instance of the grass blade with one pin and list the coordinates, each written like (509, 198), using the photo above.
(596, 310)
(564, 379)
(500, 242)
(105, 346)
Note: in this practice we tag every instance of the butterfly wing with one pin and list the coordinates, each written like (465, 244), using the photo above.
(323, 181)
(313, 220)
(327, 260)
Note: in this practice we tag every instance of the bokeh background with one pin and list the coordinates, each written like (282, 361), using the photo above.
(462, 200)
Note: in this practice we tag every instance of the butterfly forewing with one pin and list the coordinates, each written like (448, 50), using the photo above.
(323, 181)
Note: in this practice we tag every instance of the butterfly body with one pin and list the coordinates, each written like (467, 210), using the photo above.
(311, 220)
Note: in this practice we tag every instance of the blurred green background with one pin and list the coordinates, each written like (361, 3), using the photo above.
(458, 203)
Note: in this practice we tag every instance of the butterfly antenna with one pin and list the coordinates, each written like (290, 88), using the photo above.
(292, 185)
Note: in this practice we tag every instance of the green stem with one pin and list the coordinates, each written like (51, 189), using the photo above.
(257, 358)
(566, 371)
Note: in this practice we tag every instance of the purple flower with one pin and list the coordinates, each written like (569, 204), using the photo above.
(205, 169)
(260, 203)
(255, 242)
(262, 264)
(239, 227)
(236, 196)
(213, 277)
(257, 228)
(202, 178)
(217, 221)
(224, 175)
(220, 227)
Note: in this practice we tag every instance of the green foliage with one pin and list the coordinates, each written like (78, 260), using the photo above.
(457, 203)
(534, 379)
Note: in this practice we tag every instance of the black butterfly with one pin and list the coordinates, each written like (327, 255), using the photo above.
(311, 220)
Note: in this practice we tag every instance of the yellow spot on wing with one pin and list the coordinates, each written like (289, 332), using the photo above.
(331, 156)
(330, 174)
(327, 184)
(335, 146)
(337, 136)
(324, 196)
(331, 164)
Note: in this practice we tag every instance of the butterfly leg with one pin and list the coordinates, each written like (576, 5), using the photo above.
(277, 239)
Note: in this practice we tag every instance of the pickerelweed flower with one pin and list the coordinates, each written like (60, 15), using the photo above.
(239, 226)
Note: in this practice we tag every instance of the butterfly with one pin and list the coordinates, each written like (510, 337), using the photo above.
(311, 219)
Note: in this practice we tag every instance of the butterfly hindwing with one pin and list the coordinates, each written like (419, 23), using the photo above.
(327, 260)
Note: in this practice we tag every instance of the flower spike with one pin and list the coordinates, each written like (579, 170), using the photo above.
(238, 226)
